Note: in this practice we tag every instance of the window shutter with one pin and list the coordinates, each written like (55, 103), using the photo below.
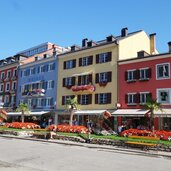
(150, 95)
(79, 99)
(51, 101)
(73, 80)
(108, 98)
(126, 98)
(97, 78)
(74, 63)
(109, 76)
(149, 73)
(109, 56)
(97, 59)
(79, 80)
(38, 69)
(90, 60)
(46, 84)
(63, 82)
(90, 78)
(80, 61)
(64, 65)
(136, 74)
(137, 98)
(126, 75)
(53, 66)
(63, 100)
(90, 99)
(53, 84)
(96, 98)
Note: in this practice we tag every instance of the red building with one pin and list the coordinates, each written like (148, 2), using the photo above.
(146, 75)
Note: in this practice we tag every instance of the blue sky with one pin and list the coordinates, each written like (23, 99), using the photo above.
(27, 23)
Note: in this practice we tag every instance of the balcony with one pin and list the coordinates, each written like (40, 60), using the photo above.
(83, 88)
(13, 78)
(34, 93)
(103, 83)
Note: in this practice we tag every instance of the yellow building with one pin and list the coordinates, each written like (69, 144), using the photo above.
(90, 72)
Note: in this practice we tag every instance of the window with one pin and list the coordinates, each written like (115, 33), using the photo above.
(85, 99)
(8, 74)
(32, 71)
(42, 68)
(85, 79)
(12, 99)
(163, 95)
(103, 77)
(50, 84)
(49, 101)
(2, 75)
(29, 102)
(1, 87)
(39, 104)
(131, 75)
(24, 73)
(163, 71)
(144, 74)
(132, 98)
(51, 66)
(103, 57)
(6, 99)
(64, 99)
(103, 98)
(14, 73)
(68, 81)
(13, 85)
(7, 86)
(86, 61)
(144, 96)
(70, 64)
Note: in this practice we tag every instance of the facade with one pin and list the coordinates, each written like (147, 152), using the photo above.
(90, 73)
(142, 77)
(8, 80)
(37, 83)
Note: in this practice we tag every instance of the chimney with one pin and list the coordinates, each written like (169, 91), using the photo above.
(152, 43)
(124, 32)
(36, 58)
(91, 43)
(84, 42)
(74, 48)
(169, 44)
(142, 54)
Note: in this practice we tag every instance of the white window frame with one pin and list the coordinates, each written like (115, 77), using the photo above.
(12, 99)
(14, 73)
(39, 102)
(8, 75)
(157, 72)
(145, 70)
(145, 94)
(103, 77)
(2, 75)
(48, 101)
(103, 57)
(24, 73)
(68, 81)
(102, 98)
(131, 99)
(29, 102)
(130, 75)
(32, 71)
(49, 84)
(85, 61)
(50, 67)
(14, 83)
(84, 99)
(7, 87)
(6, 99)
(69, 64)
(42, 69)
(167, 90)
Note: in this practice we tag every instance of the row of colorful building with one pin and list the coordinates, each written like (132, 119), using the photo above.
(115, 74)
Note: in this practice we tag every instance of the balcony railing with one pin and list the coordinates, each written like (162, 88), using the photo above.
(34, 92)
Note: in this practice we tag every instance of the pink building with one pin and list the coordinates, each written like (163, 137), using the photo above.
(145, 75)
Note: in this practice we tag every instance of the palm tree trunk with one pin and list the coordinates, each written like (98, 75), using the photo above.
(22, 116)
(152, 120)
(71, 116)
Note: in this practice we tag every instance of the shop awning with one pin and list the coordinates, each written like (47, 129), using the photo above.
(81, 74)
(27, 114)
(163, 113)
(89, 112)
(130, 112)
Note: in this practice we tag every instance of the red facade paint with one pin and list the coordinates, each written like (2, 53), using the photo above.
(142, 86)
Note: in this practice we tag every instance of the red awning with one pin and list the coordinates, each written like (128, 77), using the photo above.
(3, 114)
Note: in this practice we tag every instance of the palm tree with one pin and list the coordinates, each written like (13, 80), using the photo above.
(71, 106)
(152, 105)
(22, 108)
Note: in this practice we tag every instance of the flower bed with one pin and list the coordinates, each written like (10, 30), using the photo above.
(163, 135)
(20, 125)
(69, 129)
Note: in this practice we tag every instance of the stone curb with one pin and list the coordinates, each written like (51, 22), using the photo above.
(96, 146)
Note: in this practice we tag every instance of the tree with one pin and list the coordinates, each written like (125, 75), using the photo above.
(71, 106)
(152, 105)
(22, 108)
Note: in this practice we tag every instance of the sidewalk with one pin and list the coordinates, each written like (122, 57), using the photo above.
(99, 147)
